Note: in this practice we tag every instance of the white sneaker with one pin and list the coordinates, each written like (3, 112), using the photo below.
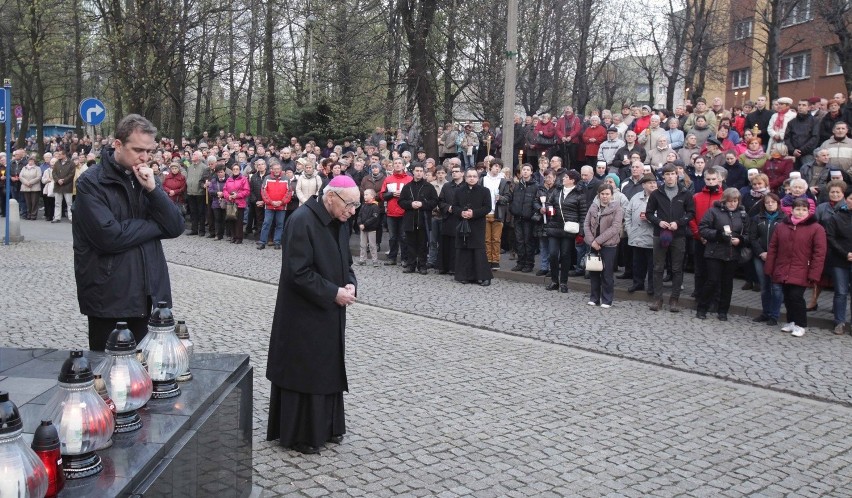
(798, 331)
(591, 303)
(605, 306)
(788, 327)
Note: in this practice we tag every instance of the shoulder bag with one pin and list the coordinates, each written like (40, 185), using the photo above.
(594, 262)
(571, 227)
(230, 210)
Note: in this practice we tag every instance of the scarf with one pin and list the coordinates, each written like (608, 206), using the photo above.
(757, 194)
(755, 154)
(771, 217)
(779, 121)
(796, 221)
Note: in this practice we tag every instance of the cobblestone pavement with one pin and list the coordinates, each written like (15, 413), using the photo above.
(816, 365)
(441, 408)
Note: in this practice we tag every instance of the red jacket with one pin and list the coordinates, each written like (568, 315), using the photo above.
(178, 184)
(641, 123)
(599, 134)
(547, 130)
(777, 170)
(276, 188)
(796, 253)
(397, 180)
(703, 201)
(570, 127)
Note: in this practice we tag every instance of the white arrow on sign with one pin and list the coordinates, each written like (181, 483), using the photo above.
(93, 111)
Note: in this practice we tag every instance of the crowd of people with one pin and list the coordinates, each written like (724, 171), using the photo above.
(761, 191)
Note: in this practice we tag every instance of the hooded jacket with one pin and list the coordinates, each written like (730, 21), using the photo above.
(703, 200)
(712, 229)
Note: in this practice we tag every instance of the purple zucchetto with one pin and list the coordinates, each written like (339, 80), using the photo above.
(342, 181)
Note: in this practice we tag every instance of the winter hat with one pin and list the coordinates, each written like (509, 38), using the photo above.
(342, 181)
(666, 237)
(616, 179)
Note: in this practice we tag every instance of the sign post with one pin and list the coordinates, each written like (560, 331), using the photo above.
(7, 104)
(93, 111)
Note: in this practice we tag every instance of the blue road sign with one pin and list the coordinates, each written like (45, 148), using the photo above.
(92, 111)
(3, 110)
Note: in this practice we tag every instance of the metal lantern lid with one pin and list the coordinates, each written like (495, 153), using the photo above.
(162, 316)
(121, 339)
(46, 437)
(181, 330)
(10, 419)
(77, 369)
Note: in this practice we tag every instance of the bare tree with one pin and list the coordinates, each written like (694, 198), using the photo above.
(837, 14)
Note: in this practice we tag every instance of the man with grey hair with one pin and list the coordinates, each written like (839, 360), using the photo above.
(306, 363)
(120, 218)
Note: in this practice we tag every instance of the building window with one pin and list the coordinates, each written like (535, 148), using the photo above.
(795, 67)
(740, 78)
(832, 65)
(798, 13)
(743, 29)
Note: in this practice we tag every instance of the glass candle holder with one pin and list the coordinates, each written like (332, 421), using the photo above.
(164, 352)
(21, 472)
(127, 381)
(182, 333)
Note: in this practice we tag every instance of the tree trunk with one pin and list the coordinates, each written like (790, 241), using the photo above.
(78, 67)
(252, 48)
(233, 94)
(269, 69)
(417, 17)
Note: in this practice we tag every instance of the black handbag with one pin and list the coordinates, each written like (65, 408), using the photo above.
(744, 255)
(542, 140)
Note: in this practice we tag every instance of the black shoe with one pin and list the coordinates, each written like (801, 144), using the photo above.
(814, 308)
(551, 286)
(625, 276)
(747, 286)
(650, 292)
(723, 317)
(485, 283)
(518, 267)
(635, 287)
(336, 439)
(277, 246)
(667, 278)
(541, 273)
(701, 315)
(495, 266)
(527, 269)
(211, 236)
(563, 288)
(430, 266)
(423, 271)
(760, 318)
(771, 322)
(261, 247)
(443, 272)
(575, 273)
(390, 262)
(409, 269)
(306, 449)
(192, 233)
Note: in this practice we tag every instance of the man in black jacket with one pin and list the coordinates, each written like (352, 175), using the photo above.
(120, 216)
(418, 198)
(802, 134)
(669, 210)
(521, 200)
(449, 223)
(760, 117)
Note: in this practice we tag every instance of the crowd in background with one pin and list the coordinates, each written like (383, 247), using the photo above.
(760, 191)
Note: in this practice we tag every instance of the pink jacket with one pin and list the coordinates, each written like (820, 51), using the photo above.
(240, 185)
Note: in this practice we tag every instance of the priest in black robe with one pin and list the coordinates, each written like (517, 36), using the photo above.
(306, 347)
(471, 203)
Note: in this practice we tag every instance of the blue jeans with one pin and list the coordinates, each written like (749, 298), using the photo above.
(544, 253)
(771, 295)
(582, 250)
(841, 292)
(397, 239)
(268, 217)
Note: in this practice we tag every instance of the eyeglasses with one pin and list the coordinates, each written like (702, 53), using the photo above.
(349, 205)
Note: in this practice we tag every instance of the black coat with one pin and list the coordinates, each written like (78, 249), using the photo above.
(119, 263)
(522, 198)
(445, 202)
(424, 192)
(760, 232)
(681, 209)
(306, 347)
(711, 227)
(370, 216)
(573, 208)
(838, 231)
(802, 133)
(761, 119)
(477, 198)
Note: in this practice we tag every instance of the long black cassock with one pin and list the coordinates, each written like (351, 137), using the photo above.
(306, 347)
